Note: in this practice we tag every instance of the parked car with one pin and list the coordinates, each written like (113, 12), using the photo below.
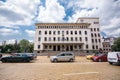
(17, 58)
(63, 56)
(89, 57)
(102, 57)
(114, 57)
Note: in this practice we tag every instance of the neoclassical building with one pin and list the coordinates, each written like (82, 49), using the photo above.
(84, 35)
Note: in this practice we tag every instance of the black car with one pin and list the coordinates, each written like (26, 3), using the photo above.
(17, 58)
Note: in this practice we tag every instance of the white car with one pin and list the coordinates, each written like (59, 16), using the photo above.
(63, 56)
(114, 57)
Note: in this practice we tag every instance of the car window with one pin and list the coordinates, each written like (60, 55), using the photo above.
(62, 55)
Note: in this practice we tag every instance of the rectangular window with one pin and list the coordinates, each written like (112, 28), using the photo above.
(79, 32)
(39, 38)
(45, 32)
(75, 32)
(54, 32)
(71, 32)
(96, 22)
(38, 46)
(86, 39)
(85, 32)
(86, 46)
(92, 40)
(45, 39)
(80, 38)
(39, 32)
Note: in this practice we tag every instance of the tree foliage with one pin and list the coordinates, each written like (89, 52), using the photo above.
(116, 46)
(23, 46)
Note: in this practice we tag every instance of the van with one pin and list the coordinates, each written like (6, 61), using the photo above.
(63, 56)
(114, 57)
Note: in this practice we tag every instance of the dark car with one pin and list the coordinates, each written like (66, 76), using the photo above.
(17, 58)
(100, 58)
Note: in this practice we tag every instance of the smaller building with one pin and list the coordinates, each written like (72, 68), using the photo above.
(107, 44)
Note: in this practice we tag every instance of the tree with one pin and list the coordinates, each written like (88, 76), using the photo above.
(116, 46)
(31, 47)
(24, 45)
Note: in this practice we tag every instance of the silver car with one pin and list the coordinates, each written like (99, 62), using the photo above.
(63, 56)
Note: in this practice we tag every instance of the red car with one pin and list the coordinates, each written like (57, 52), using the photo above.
(100, 58)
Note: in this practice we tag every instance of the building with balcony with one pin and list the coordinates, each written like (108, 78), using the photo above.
(84, 35)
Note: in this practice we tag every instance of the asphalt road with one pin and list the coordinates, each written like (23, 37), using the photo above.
(43, 69)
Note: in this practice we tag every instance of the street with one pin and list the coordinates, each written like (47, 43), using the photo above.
(43, 69)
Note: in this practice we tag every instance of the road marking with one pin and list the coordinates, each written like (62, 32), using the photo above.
(81, 73)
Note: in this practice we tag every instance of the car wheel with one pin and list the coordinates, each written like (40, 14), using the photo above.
(110, 63)
(55, 60)
(27, 60)
(99, 60)
(71, 60)
(3, 61)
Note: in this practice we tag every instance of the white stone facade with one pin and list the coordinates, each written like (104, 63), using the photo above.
(84, 35)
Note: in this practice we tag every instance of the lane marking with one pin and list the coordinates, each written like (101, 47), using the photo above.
(81, 73)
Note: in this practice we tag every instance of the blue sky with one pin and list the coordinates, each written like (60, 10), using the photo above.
(17, 17)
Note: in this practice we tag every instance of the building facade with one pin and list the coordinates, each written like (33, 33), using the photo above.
(107, 44)
(84, 35)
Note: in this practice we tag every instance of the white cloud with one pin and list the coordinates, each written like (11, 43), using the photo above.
(7, 32)
(31, 33)
(18, 12)
(107, 10)
(52, 12)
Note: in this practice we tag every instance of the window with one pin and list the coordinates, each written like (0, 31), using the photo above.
(58, 38)
(98, 35)
(96, 40)
(91, 34)
(71, 32)
(49, 32)
(95, 35)
(39, 38)
(79, 32)
(85, 32)
(54, 38)
(38, 46)
(97, 29)
(99, 40)
(54, 32)
(94, 29)
(45, 32)
(39, 32)
(96, 47)
(86, 39)
(75, 38)
(96, 22)
(92, 40)
(80, 38)
(71, 38)
(49, 38)
(93, 47)
(91, 29)
(67, 32)
(75, 32)
(45, 39)
(58, 32)
(67, 39)
(87, 46)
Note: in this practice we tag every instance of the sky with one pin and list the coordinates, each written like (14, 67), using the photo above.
(18, 17)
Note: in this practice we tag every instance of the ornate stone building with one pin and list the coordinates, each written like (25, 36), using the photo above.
(84, 35)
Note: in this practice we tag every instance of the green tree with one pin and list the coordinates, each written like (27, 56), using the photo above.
(116, 46)
(31, 47)
(24, 45)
